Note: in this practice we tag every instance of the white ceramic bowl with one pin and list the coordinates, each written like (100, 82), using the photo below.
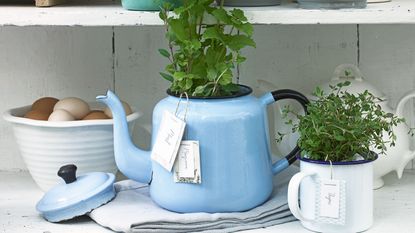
(46, 146)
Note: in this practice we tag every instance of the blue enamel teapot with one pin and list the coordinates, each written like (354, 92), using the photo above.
(235, 160)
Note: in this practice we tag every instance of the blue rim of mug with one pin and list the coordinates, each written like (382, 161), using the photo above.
(338, 163)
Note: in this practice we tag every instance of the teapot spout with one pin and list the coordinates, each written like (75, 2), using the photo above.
(133, 162)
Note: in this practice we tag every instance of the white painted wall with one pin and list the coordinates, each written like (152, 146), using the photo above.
(85, 61)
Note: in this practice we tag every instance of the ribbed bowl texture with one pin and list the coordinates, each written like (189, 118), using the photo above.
(46, 146)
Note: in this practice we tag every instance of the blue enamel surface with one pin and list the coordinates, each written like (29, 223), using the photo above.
(147, 5)
(66, 201)
(236, 167)
(279, 166)
(131, 161)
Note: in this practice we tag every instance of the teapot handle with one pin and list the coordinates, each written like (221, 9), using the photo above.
(339, 72)
(272, 98)
(401, 104)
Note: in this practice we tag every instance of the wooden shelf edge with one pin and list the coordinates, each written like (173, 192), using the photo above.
(46, 3)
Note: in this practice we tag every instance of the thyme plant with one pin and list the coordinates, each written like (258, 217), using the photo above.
(341, 126)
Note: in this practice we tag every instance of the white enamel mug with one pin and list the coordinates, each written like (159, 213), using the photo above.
(358, 206)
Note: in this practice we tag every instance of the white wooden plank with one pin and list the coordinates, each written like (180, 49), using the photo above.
(297, 57)
(138, 64)
(96, 13)
(108, 13)
(49, 61)
(387, 55)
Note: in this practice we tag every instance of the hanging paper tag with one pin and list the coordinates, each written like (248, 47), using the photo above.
(331, 201)
(187, 165)
(329, 198)
(168, 140)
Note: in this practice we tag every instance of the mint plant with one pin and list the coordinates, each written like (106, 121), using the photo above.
(339, 126)
(204, 44)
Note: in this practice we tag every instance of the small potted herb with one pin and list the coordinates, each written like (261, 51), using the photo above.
(204, 44)
(336, 138)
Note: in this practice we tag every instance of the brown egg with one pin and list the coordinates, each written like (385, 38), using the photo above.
(95, 115)
(126, 107)
(45, 104)
(37, 115)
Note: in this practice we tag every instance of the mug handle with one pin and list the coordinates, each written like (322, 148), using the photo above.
(292, 195)
(273, 97)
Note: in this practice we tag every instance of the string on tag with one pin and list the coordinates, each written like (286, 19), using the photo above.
(185, 112)
(187, 105)
(331, 170)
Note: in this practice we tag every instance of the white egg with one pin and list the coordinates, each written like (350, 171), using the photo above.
(75, 106)
(61, 115)
(126, 106)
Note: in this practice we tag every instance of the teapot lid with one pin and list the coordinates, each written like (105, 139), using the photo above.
(77, 196)
(349, 72)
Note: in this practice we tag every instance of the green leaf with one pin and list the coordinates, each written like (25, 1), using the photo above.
(199, 90)
(225, 79)
(240, 59)
(189, 84)
(246, 28)
(239, 14)
(199, 68)
(212, 74)
(167, 5)
(181, 84)
(237, 42)
(166, 76)
(203, 90)
(179, 76)
(163, 15)
(212, 33)
(221, 15)
(215, 55)
(184, 8)
(164, 53)
(211, 58)
(339, 138)
(178, 29)
(195, 44)
(232, 87)
(170, 68)
(221, 67)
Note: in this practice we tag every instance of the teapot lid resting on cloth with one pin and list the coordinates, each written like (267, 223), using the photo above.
(77, 196)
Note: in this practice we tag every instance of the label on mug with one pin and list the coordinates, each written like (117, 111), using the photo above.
(329, 198)
(331, 201)
(187, 165)
(168, 140)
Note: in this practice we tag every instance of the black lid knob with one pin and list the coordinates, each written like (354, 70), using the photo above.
(68, 173)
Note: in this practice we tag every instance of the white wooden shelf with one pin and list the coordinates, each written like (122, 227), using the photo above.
(108, 13)
(393, 212)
